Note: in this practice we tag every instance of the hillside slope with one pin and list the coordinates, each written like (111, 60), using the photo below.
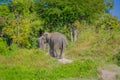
(91, 51)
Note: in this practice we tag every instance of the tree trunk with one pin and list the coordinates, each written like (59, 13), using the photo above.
(18, 35)
(18, 30)
(75, 33)
(71, 32)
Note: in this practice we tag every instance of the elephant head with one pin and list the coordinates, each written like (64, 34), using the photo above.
(47, 36)
(42, 42)
(57, 43)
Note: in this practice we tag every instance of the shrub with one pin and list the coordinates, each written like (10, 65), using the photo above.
(118, 58)
(13, 47)
(3, 47)
(107, 22)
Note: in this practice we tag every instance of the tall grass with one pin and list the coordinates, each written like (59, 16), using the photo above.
(101, 46)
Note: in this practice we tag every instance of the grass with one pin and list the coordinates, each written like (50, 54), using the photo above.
(36, 65)
(94, 45)
(65, 71)
(91, 51)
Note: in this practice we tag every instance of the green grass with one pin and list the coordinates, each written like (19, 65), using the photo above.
(98, 46)
(36, 65)
(76, 69)
(90, 52)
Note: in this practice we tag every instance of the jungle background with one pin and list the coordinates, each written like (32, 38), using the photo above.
(93, 39)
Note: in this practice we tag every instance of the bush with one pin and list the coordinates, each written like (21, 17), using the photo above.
(107, 22)
(3, 47)
(13, 47)
(118, 58)
(7, 50)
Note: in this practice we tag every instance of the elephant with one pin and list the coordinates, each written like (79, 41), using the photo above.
(57, 42)
(41, 43)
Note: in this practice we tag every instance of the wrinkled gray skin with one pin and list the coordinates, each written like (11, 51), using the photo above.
(57, 42)
(41, 42)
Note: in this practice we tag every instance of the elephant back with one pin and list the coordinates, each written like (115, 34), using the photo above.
(59, 38)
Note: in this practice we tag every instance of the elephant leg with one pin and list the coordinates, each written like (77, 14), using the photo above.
(51, 53)
(60, 56)
(56, 53)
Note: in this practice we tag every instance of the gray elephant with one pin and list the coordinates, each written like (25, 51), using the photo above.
(41, 42)
(57, 42)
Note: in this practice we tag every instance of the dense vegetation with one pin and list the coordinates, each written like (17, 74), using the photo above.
(23, 21)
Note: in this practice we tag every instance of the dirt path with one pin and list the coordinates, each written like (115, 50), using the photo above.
(64, 60)
(110, 72)
(107, 75)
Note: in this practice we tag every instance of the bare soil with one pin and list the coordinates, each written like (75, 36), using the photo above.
(109, 72)
(64, 60)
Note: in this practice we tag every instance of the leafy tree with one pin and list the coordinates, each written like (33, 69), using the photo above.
(17, 30)
(35, 26)
(57, 13)
(1, 25)
(108, 22)
(21, 23)
(68, 10)
(109, 5)
(3, 13)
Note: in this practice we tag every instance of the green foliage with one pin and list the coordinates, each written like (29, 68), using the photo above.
(17, 25)
(3, 47)
(20, 7)
(107, 22)
(7, 50)
(18, 30)
(13, 47)
(22, 24)
(118, 58)
(35, 26)
(4, 10)
(76, 69)
(57, 13)
(109, 5)
(25, 18)
(89, 52)
(100, 47)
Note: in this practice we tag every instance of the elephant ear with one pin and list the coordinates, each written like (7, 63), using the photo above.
(46, 36)
(43, 39)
